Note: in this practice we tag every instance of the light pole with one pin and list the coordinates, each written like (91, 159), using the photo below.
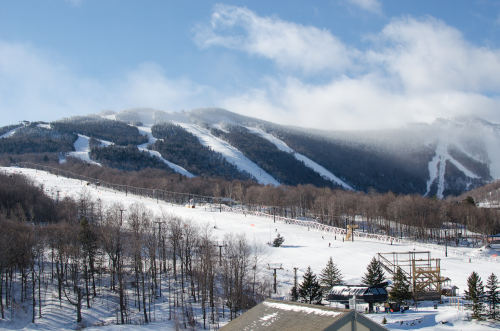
(446, 243)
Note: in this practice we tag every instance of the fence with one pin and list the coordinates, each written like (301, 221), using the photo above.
(225, 204)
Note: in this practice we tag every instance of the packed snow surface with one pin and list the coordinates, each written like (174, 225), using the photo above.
(282, 146)
(230, 153)
(437, 168)
(82, 150)
(9, 133)
(146, 131)
(44, 126)
(302, 248)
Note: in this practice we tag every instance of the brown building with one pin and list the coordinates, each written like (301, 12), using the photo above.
(294, 316)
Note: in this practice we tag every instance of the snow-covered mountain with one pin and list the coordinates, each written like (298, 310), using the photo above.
(438, 159)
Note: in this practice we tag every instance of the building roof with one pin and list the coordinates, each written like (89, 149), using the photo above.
(294, 316)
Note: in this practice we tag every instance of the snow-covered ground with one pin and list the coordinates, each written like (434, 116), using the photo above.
(230, 153)
(282, 146)
(9, 133)
(82, 149)
(437, 168)
(302, 248)
(146, 131)
(45, 126)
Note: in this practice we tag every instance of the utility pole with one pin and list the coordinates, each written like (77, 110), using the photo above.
(220, 244)
(274, 267)
(446, 243)
(121, 216)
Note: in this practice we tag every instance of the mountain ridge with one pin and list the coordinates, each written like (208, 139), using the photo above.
(446, 157)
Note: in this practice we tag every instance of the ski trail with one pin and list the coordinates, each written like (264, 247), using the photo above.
(9, 133)
(282, 146)
(230, 153)
(82, 150)
(146, 131)
(437, 169)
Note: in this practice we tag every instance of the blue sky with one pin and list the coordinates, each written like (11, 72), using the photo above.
(338, 64)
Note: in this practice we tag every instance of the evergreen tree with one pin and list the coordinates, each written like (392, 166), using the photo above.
(330, 275)
(374, 273)
(474, 293)
(309, 289)
(400, 287)
(278, 241)
(492, 294)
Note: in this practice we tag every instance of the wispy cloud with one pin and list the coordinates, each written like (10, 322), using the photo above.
(35, 85)
(373, 6)
(412, 70)
(290, 45)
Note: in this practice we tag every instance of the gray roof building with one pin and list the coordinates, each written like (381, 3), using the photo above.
(294, 316)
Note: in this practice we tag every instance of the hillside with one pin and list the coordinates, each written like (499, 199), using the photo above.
(303, 247)
(439, 159)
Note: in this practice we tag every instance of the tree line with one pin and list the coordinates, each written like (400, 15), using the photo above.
(410, 216)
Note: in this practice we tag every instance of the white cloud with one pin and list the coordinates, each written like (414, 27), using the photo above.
(373, 6)
(35, 85)
(290, 45)
(414, 70)
(428, 55)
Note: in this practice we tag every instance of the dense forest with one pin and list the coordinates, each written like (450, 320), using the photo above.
(128, 158)
(115, 131)
(35, 139)
(361, 165)
(281, 165)
(183, 148)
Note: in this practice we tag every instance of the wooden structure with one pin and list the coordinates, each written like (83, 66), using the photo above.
(274, 267)
(350, 231)
(423, 272)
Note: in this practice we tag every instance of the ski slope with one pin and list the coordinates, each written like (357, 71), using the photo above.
(437, 169)
(82, 150)
(282, 146)
(302, 248)
(230, 153)
(146, 131)
(9, 134)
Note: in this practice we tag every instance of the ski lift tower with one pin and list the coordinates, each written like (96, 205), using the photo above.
(274, 267)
